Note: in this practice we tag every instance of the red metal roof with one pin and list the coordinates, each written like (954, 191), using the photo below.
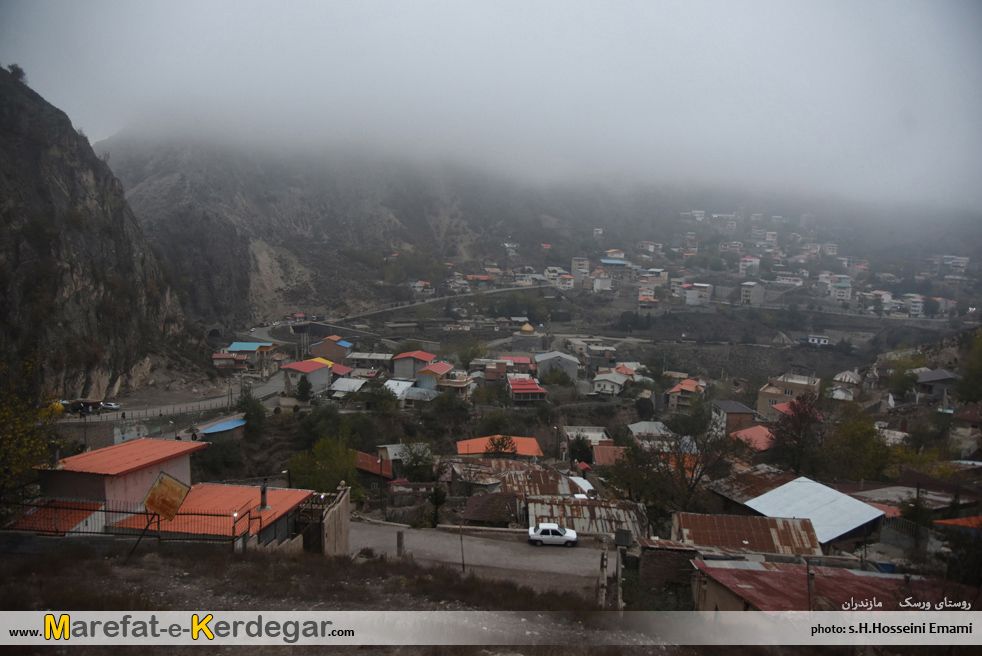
(687, 385)
(436, 368)
(369, 463)
(525, 385)
(759, 437)
(208, 510)
(305, 367)
(607, 455)
(416, 355)
(784, 587)
(774, 535)
(130, 456)
(341, 370)
(525, 446)
(517, 359)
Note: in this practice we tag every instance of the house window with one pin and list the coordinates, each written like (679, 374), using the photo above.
(788, 392)
(773, 401)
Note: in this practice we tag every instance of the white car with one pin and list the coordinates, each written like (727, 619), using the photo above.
(541, 534)
(108, 406)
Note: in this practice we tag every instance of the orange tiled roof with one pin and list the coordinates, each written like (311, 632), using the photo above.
(209, 507)
(55, 517)
(525, 446)
(128, 457)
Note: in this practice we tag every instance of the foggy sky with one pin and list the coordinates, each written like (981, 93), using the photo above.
(877, 100)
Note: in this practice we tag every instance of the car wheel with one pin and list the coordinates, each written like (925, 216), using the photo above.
(538, 543)
(570, 544)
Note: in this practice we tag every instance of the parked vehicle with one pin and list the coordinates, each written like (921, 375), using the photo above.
(108, 406)
(547, 533)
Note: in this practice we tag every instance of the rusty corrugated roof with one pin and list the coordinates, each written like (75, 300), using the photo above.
(536, 483)
(784, 587)
(589, 515)
(495, 507)
(774, 535)
(750, 484)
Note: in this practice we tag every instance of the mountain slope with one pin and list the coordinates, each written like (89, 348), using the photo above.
(84, 294)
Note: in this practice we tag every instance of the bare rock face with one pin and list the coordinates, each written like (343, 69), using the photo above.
(84, 297)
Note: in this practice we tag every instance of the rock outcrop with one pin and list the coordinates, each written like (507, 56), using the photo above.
(84, 296)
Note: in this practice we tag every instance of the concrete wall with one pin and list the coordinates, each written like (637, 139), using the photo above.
(716, 596)
(661, 567)
(335, 525)
(133, 488)
(60, 484)
(288, 547)
(91, 434)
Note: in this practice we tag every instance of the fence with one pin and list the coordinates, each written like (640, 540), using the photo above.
(65, 518)
(147, 412)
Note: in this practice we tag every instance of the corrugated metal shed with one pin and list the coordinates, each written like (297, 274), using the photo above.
(832, 513)
(589, 515)
(750, 484)
(772, 535)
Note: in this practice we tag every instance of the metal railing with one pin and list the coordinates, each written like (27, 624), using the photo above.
(65, 518)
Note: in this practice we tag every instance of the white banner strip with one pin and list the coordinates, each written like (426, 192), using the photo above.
(488, 628)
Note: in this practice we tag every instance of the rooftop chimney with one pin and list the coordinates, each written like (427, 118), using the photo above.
(262, 496)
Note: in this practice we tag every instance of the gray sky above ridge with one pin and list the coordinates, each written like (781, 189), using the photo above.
(878, 100)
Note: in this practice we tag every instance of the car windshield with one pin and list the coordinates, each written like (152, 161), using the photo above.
(561, 531)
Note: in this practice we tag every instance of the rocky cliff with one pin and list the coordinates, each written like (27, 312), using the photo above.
(85, 299)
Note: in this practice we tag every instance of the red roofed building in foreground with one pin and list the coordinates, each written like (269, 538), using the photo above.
(120, 473)
(524, 446)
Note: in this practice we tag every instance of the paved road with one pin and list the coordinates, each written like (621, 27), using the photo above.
(542, 568)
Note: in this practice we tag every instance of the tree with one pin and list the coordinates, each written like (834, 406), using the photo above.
(798, 435)
(500, 446)
(417, 462)
(902, 380)
(304, 389)
(323, 421)
(437, 498)
(669, 479)
(469, 353)
(377, 397)
(856, 450)
(24, 440)
(579, 450)
(968, 388)
(18, 73)
(645, 408)
(255, 414)
(324, 467)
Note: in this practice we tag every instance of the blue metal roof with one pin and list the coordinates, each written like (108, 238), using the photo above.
(344, 344)
(615, 262)
(247, 346)
(224, 426)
